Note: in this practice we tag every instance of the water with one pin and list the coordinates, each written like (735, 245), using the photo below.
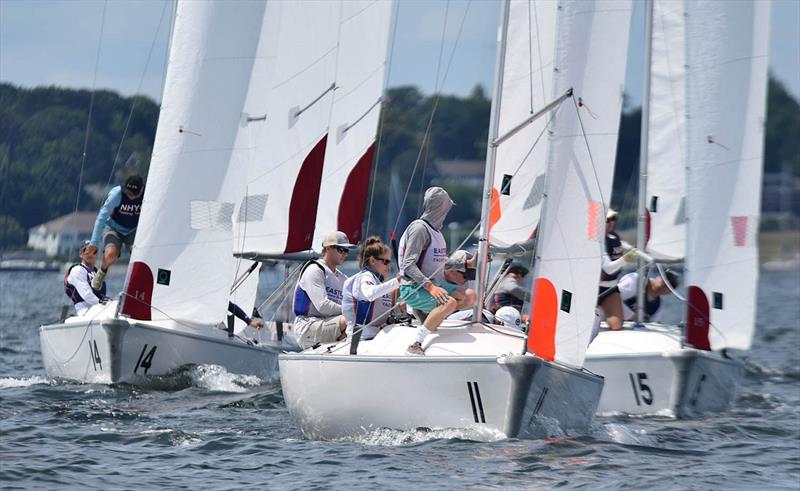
(205, 428)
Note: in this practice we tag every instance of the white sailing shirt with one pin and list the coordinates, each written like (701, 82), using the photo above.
(366, 301)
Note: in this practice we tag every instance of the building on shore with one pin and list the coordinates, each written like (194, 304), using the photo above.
(63, 235)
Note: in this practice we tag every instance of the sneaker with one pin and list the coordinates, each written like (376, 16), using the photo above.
(97, 281)
(415, 349)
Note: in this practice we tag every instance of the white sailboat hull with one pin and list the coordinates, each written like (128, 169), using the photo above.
(648, 372)
(516, 395)
(119, 350)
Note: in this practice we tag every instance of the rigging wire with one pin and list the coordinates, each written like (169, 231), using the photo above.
(436, 89)
(138, 90)
(91, 106)
(433, 113)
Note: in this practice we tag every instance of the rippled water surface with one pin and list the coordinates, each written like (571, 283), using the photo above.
(205, 428)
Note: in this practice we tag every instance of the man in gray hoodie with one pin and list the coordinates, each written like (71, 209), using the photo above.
(422, 254)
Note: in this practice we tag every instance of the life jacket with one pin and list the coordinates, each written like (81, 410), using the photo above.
(72, 292)
(127, 213)
(302, 302)
(431, 259)
(614, 251)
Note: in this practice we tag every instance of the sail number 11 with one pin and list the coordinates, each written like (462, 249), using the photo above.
(641, 391)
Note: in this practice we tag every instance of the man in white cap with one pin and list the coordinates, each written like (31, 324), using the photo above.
(318, 294)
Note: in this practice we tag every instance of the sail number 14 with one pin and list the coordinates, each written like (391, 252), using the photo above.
(641, 391)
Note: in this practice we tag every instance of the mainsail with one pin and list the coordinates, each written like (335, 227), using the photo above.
(726, 80)
(181, 266)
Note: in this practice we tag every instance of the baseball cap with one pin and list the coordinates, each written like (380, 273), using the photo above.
(337, 239)
(509, 316)
(518, 267)
(612, 213)
(134, 184)
(459, 261)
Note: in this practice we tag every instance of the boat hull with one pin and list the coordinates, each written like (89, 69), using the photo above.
(115, 350)
(677, 381)
(334, 396)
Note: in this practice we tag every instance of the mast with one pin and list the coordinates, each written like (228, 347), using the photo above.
(491, 155)
(643, 142)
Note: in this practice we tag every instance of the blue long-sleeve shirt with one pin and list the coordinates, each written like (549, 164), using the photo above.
(113, 200)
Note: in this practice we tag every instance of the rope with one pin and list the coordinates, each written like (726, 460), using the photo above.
(91, 106)
(138, 90)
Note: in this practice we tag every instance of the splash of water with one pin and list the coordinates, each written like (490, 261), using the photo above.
(8, 382)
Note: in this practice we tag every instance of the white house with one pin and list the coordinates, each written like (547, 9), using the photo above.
(64, 235)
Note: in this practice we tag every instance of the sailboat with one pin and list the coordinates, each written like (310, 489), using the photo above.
(479, 375)
(702, 160)
(173, 307)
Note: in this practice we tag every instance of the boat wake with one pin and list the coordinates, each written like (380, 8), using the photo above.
(9, 382)
(211, 378)
(386, 437)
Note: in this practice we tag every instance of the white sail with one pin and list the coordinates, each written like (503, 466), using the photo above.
(360, 68)
(181, 266)
(666, 152)
(590, 59)
(726, 96)
(285, 171)
(518, 182)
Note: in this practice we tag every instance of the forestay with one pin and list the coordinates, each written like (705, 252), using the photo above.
(726, 95)
(666, 152)
(360, 68)
(182, 263)
(590, 58)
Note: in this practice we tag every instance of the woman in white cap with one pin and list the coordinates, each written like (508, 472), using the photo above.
(318, 294)
(614, 259)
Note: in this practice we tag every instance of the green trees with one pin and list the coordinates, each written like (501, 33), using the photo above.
(42, 133)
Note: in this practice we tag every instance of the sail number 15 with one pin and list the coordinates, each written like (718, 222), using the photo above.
(641, 391)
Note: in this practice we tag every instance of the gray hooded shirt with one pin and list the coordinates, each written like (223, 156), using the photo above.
(436, 205)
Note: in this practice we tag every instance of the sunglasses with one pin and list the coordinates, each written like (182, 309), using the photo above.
(385, 261)
(342, 250)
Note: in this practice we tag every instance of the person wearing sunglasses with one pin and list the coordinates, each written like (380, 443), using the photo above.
(78, 281)
(116, 223)
(368, 294)
(614, 259)
(318, 294)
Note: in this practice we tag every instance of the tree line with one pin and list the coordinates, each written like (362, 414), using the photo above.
(43, 131)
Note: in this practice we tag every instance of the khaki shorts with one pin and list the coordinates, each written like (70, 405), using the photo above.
(111, 236)
(321, 331)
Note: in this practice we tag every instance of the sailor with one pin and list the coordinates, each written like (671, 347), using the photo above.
(367, 296)
(318, 294)
(116, 223)
(655, 288)
(237, 311)
(432, 282)
(614, 259)
(78, 281)
(510, 292)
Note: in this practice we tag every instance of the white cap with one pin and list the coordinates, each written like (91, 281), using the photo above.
(337, 239)
(509, 316)
(611, 213)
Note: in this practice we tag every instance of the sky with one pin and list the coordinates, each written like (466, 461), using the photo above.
(55, 42)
